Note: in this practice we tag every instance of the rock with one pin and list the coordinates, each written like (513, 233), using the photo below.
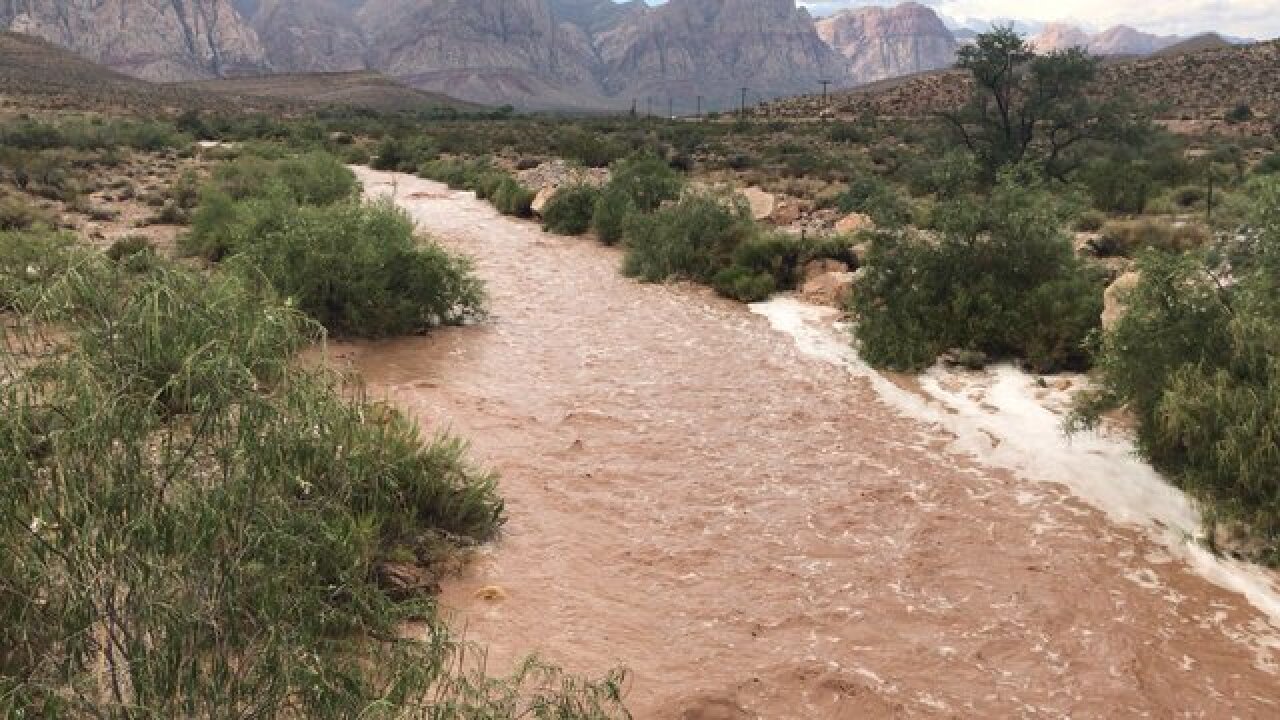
(761, 202)
(855, 223)
(862, 251)
(786, 213)
(814, 268)
(542, 198)
(888, 42)
(829, 288)
(1114, 302)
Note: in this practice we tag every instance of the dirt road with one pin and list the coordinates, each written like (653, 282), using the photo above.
(754, 533)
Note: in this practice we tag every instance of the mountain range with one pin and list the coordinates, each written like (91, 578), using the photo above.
(536, 54)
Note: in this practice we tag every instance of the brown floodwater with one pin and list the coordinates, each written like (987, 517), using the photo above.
(754, 533)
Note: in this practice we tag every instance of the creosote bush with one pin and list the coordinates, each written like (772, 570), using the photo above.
(999, 278)
(569, 210)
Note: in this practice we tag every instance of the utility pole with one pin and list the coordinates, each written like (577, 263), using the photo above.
(648, 106)
(699, 114)
(825, 84)
(744, 102)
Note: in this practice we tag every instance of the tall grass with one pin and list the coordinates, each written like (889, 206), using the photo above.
(192, 525)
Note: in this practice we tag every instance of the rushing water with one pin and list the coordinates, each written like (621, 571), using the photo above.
(756, 531)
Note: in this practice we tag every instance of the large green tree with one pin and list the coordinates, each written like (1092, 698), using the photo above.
(1029, 108)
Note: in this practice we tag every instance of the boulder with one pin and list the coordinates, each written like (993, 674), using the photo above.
(761, 202)
(815, 268)
(542, 198)
(829, 288)
(786, 213)
(861, 252)
(1114, 299)
(855, 223)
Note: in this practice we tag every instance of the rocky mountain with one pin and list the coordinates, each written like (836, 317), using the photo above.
(1119, 40)
(713, 48)
(883, 42)
(151, 39)
(1060, 36)
(1124, 40)
(538, 54)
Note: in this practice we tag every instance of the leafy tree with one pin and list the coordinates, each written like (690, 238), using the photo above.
(1030, 108)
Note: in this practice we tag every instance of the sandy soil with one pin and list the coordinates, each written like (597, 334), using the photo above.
(754, 533)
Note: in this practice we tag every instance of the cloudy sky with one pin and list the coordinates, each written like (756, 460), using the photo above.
(1242, 18)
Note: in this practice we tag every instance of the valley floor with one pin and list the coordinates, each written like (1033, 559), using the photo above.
(755, 533)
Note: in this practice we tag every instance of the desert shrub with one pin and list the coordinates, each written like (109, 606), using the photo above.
(1125, 238)
(248, 517)
(609, 215)
(1269, 165)
(998, 278)
(693, 239)
(588, 148)
(569, 210)
(91, 134)
(1194, 359)
(403, 154)
(512, 198)
(126, 248)
(222, 226)
(1238, 113)
(647, 180)
(1189, 197)
(30, 259)
(874, 197)
(317, 178)
(743, 285)
(1090, 221)
(358, 270)
(18, 214)
(847, 133)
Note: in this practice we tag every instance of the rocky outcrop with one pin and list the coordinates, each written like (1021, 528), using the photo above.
(1060, 36)
(153, 39)
(1124, 40)
(488, 51)
(883, 42)
(1119, 40)
(308, 35)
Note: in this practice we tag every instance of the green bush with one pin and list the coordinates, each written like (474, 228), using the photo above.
(743, 285)
(1194, 359)
(359, 271)
(315, 178)
(127, 247)
(18, 214)
(869, 195)
(693, 239)
(1090, 221)
(1000, 278)
(609, 216)
(1125, 238)
(30, 259)
(512, 198)
(218, 539)
(569, 210)
(647, 180)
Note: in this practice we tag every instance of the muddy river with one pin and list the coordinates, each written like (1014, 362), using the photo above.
(755, 532)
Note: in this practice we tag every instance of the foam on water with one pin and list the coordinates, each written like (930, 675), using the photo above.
(1002, 416)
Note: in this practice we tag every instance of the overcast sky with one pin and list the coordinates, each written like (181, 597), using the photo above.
(1258, 19)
